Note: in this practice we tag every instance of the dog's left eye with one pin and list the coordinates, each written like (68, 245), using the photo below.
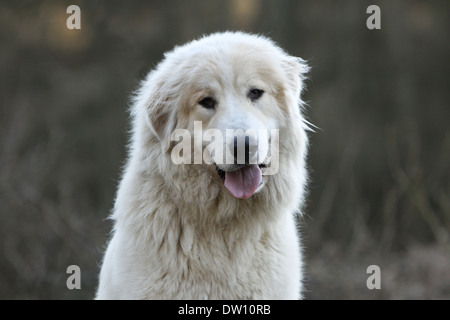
(208, 103)
(255, 94)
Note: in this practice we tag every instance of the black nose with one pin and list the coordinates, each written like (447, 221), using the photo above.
(238, 157)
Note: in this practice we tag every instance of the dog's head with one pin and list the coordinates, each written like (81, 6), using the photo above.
(229, 102)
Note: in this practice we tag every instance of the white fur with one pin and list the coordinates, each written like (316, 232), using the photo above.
(178, 232)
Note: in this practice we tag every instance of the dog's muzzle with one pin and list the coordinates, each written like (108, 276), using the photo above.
(243, 176)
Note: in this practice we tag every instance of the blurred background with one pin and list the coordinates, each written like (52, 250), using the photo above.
(380, 162)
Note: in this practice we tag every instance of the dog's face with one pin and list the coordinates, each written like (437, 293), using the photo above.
(232, 97)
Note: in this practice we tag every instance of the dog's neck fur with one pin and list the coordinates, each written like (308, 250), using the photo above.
(155, 186)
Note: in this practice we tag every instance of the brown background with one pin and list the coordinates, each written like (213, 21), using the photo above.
(380, 163)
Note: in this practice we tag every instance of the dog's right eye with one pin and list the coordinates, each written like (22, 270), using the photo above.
(255, 94)
(208, 103)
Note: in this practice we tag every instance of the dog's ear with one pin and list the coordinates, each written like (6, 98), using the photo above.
(163, 119)
(161, 114)
(296, 70)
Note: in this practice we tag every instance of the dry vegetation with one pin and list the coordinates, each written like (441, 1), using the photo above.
(380, 163)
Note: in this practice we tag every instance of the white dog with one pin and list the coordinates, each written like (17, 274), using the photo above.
(214, 229)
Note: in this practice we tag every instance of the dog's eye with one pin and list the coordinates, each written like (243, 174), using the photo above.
(255, 94)
(208, 103)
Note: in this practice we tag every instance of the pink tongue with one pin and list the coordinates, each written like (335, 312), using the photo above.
(243, 183)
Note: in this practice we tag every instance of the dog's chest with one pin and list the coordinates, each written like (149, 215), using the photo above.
(216, 270)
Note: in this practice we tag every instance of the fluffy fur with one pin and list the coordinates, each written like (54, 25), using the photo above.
(178, 232)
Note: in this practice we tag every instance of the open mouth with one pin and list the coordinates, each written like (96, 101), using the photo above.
(243, 180)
